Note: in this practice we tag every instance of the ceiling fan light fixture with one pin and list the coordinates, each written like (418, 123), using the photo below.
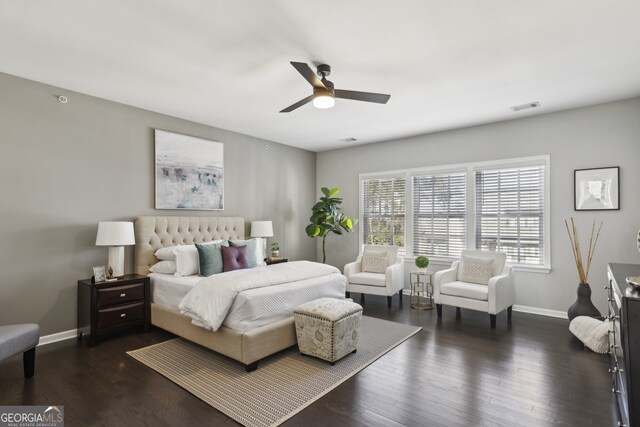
(323, 100)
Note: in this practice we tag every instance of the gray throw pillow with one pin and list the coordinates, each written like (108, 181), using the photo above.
(210, 258)
(254, 251)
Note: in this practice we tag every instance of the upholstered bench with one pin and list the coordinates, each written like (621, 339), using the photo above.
(16, 339)
(328, 328)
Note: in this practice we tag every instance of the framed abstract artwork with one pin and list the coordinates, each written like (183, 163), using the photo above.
(189, 172)
(597, 189)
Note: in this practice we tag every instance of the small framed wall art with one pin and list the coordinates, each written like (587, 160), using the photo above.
(597, 189)
(189, 172)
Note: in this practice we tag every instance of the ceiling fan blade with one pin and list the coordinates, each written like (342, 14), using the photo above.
(297, 104)
(308, 74)
(378, 98)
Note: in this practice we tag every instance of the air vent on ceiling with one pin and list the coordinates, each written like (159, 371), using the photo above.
(348, 140)
(526, 106)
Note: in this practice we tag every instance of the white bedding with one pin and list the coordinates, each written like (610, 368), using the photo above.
(255, 307)
(210, 300)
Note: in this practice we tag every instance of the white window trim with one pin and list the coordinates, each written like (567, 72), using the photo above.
(470, 169)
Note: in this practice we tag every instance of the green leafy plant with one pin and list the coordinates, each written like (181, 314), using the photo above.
(422, 262)
(327, 217)
(275, 246)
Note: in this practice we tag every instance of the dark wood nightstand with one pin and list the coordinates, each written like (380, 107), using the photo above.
(108, 307)
(275, 261)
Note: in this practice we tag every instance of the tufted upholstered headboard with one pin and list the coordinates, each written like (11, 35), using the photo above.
(155, 232)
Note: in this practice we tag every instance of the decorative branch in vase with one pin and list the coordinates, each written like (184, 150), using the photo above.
(583, 305)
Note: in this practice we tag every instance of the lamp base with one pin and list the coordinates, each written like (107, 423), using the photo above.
(116, 261)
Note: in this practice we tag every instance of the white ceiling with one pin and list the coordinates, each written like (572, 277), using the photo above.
(446, 64)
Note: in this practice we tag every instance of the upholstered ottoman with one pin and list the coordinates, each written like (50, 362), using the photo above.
(328, 328)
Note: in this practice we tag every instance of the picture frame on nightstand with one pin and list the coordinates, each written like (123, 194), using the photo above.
(99, 274)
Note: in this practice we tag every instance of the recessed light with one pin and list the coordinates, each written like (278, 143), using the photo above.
(526, 106)
(348, 140)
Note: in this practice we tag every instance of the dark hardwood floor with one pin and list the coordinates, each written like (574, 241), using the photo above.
(455, 372)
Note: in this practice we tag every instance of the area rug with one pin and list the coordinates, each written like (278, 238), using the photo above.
(284, 383)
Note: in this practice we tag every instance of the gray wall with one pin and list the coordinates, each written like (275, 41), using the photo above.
(64, 167)
(603, 135)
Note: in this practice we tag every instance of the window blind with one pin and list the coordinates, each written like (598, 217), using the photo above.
(439, 214)
(510, 213)
(383, 211)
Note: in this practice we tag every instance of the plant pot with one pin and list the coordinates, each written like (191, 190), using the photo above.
(583, 305)
(275, 253)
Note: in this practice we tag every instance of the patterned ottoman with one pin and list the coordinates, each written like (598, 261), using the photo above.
(328, 328)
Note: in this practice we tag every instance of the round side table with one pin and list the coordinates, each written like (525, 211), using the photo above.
(421, 290)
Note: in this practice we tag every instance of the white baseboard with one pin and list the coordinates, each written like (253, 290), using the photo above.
(524, 309)
(59, 336)
(540, 311)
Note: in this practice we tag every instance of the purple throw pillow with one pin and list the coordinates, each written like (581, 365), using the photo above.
(234, 258)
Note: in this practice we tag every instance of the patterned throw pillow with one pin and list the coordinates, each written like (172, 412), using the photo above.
(374, 262)
(475, 270)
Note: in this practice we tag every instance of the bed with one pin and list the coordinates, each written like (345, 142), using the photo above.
(245, 339)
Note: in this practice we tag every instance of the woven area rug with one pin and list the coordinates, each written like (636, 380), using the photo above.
(284, 383)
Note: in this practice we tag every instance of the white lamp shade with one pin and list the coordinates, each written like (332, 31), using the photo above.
(261, 229)
(115, 233)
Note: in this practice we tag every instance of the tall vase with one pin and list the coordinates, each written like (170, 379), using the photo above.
(583, 305)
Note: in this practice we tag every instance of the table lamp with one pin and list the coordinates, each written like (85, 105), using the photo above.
(115, 234)
(262, 229)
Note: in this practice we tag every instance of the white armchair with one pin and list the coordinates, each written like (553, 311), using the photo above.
(387, 282)
(492, 296)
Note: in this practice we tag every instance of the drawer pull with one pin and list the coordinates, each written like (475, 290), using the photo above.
(621, 424)
(123, 295)
(614, 391)
(123, 315)
(614, 346)
(606, 287)
(612, 317)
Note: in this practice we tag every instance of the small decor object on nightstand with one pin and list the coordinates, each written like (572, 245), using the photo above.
(275, 249)
(99, 273)
(275, 260)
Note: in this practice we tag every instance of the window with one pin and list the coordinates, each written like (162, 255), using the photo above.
(500, 205)
(510, 213)
(439, 227)
(383, 211)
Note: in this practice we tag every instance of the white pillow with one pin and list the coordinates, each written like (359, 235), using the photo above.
(166, 254)
(164, 267)
(475, 270)
(374, 262)
(188, 260)
(592, 332)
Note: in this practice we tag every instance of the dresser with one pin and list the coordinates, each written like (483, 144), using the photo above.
(110, 307)
(624, 342)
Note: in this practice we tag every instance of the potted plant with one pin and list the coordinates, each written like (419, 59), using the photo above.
(422, 262)
(326, 217)
(275, 249)
(583, 305)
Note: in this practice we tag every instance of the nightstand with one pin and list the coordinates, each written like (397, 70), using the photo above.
(275, 261)
(109, 307)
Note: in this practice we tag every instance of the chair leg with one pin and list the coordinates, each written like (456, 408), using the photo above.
(439, 309)
(29, 362)
(509, 310)
(492, 320)
(251, 367)
(457, 312)
(389, 301)
(347, 294)
(400, 294)
(361, 298)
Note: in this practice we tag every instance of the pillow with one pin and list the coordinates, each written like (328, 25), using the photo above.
(210, 258)
(592, 332)
(166, 254)
(186, 260)
(164, 267)
(234, 257)
(475, 270)
(254, 251)
(374, 262)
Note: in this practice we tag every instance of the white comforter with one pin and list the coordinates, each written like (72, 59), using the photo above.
(210, 300)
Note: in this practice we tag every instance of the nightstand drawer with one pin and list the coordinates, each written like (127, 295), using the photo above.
(120, 294)
(120, 315)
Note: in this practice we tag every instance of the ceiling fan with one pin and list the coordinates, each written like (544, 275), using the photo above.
(324, 93)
